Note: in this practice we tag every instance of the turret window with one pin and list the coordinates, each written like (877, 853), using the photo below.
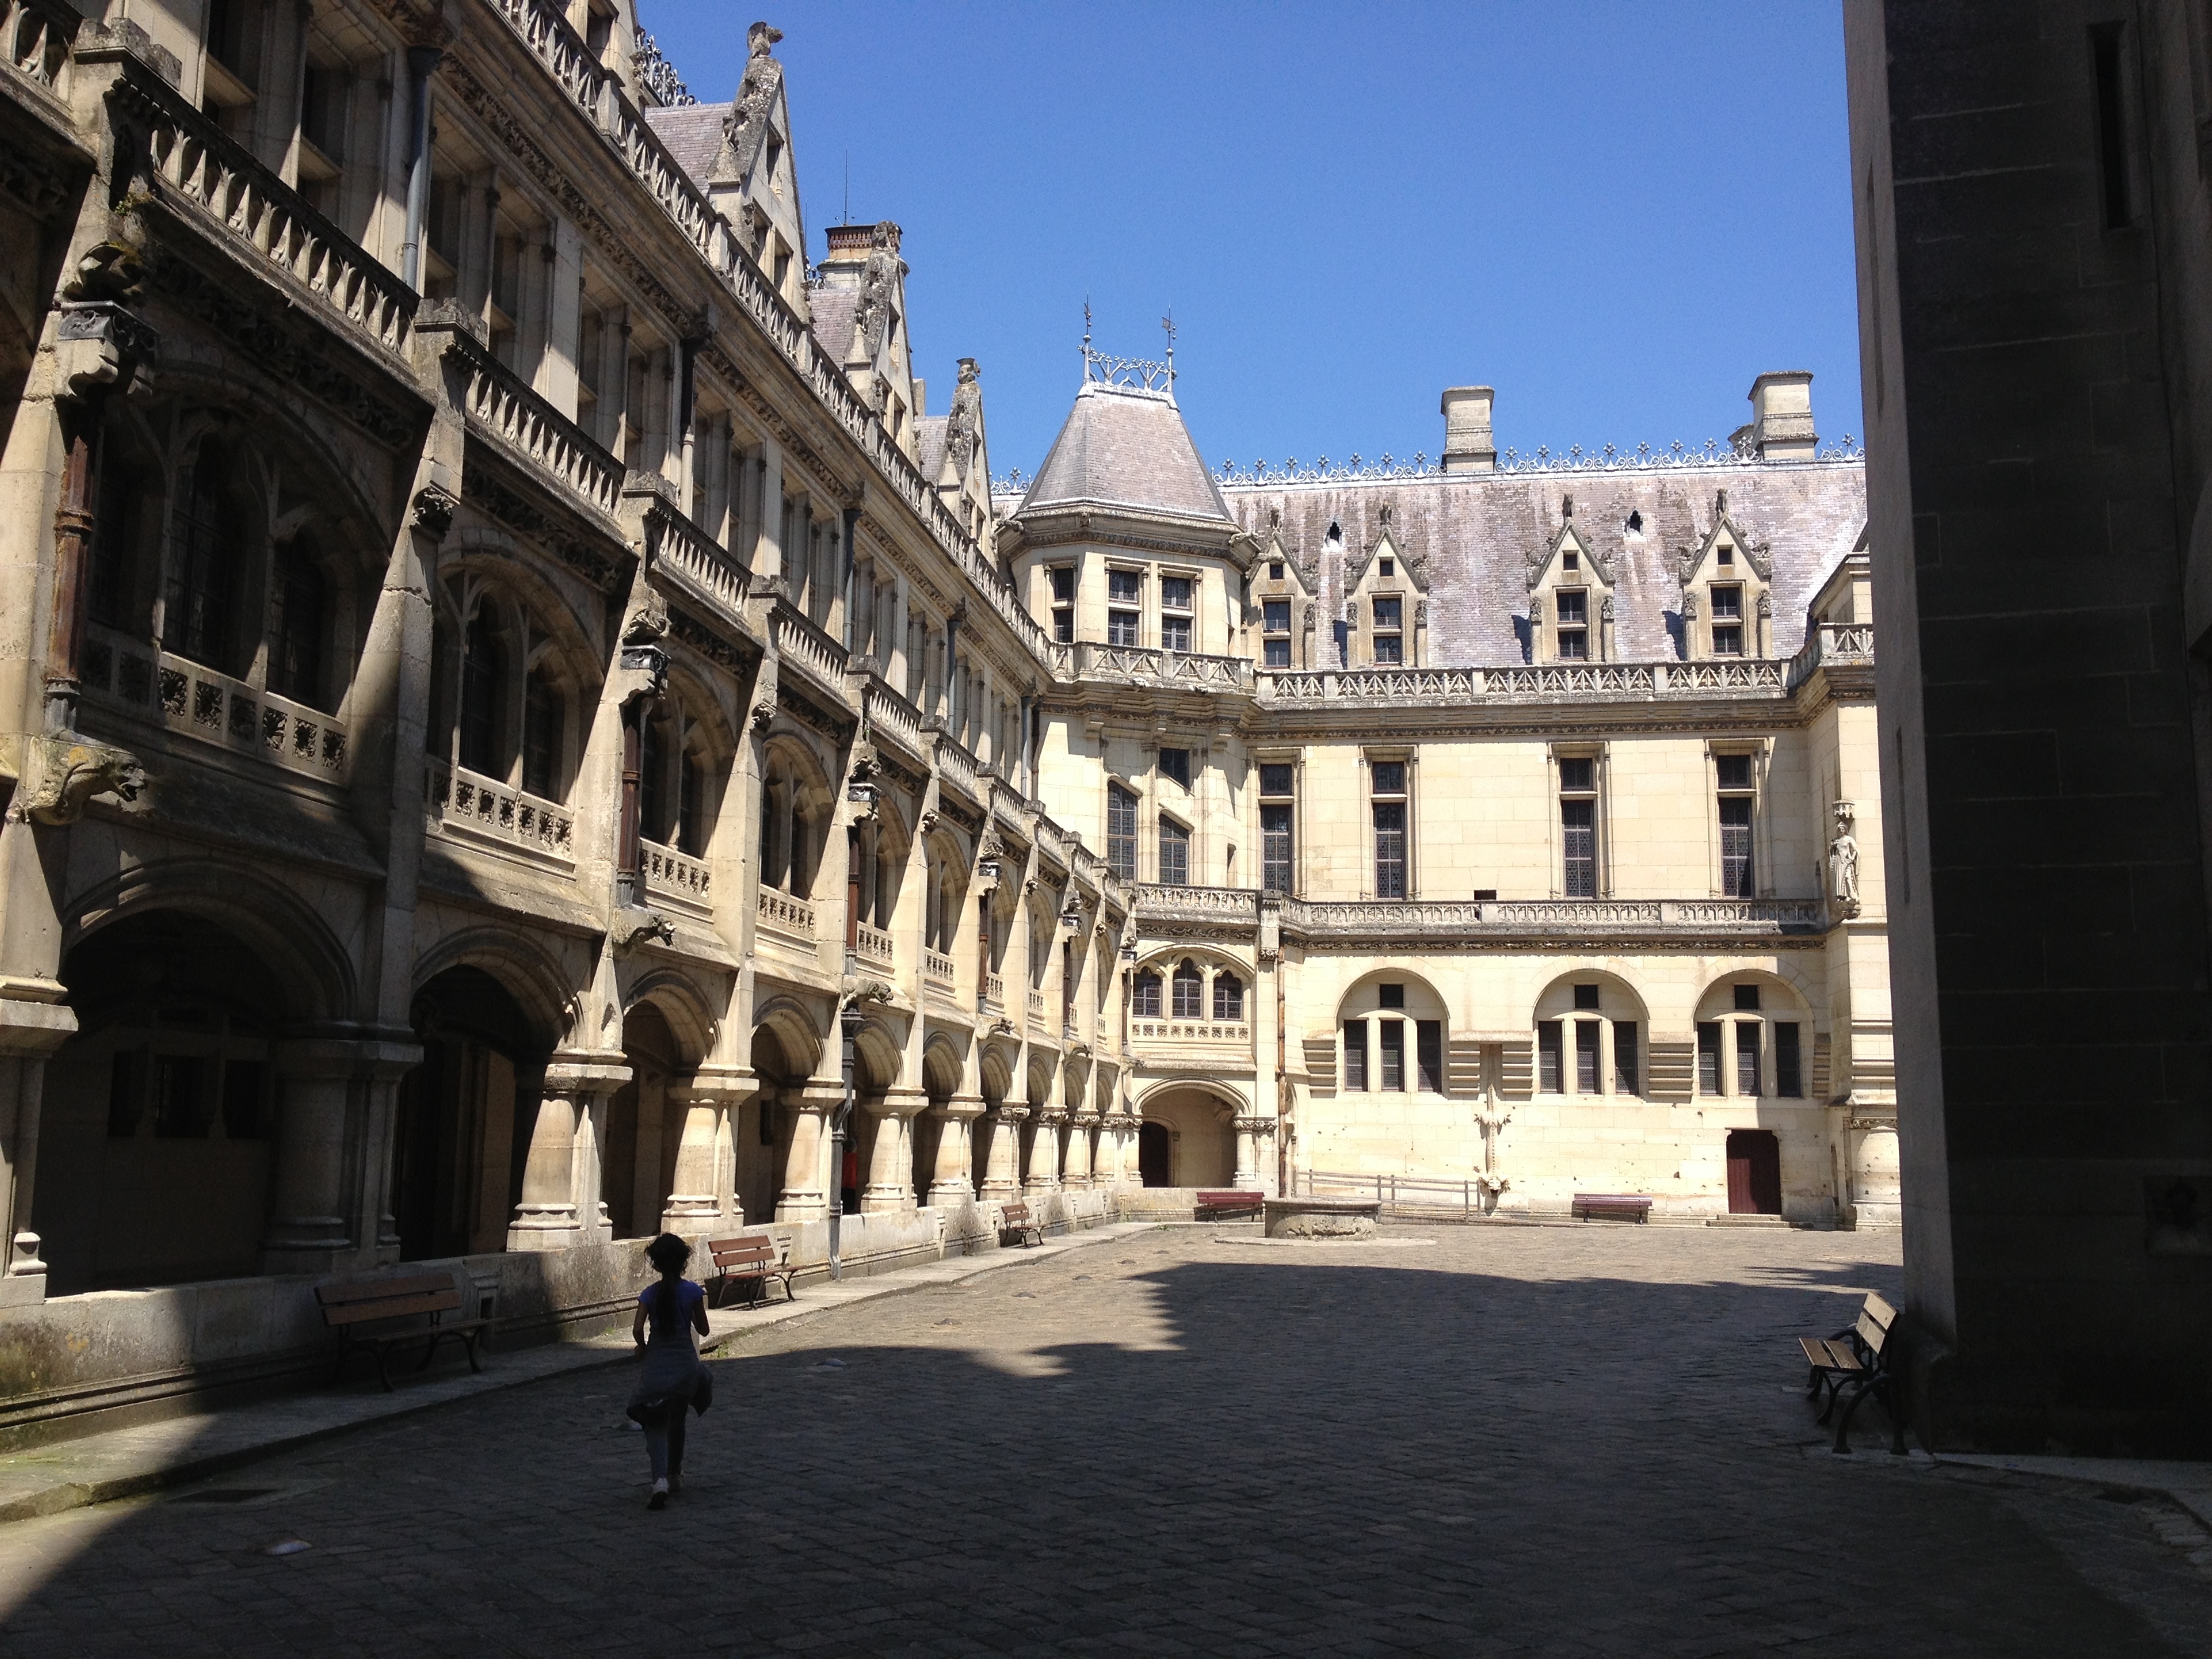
(1175, 613)
(1124, 592)
(1062, 577)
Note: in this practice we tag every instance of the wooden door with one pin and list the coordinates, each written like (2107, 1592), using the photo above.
(1755, 1172)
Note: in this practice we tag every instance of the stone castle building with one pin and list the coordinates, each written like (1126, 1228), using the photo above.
(512, 696)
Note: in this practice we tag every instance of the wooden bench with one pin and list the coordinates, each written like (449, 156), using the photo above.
(1015, 1219)
(1856, 1359)
(1215, 1207)
(1611, 1206)
(349, 1303)
(753, 1259)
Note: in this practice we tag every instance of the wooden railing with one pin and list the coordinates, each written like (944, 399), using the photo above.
(197, 701)
(455, 800)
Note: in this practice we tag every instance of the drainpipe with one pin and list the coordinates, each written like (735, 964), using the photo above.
(421, 61)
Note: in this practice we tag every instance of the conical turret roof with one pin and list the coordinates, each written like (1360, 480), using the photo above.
(1124, 447)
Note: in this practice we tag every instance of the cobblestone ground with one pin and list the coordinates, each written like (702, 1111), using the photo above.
(1553, 1441)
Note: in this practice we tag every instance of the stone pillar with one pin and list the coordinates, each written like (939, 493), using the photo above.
(1252, 1131)
(1078, 1175)
(809, 1185)
(1043, 1172)
(889, 1187)
(30, 1032)
(695, 1198)
(1877, 1199)
(327, 1149)
(561, 1205)
(1002, 1131)
(951, 1184)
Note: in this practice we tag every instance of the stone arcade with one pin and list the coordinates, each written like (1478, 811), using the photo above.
(506, 669)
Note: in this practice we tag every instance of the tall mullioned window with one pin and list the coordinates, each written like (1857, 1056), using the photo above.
(1277, 816)
(1733, 773)
(1124, 596)
(1174, 853)
(1175, 613)
(1275, 626)
(1728, 620)
(1578, 826)
(1389, 808)
(1355, 1055)
(1063, 602)
(1120, 832)
(1389, 625)
(1573, 605)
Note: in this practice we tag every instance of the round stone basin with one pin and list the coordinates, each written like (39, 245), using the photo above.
(1322, 1218)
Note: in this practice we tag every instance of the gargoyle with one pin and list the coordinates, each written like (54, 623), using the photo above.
(634, 924)
(73, 769)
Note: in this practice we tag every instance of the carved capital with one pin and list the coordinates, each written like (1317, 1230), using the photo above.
(101, 347)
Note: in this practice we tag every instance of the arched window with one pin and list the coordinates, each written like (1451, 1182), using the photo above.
(654, 784)
(544, 720)
(1228, 996)
(1146, 1002)
(1753, 1041)
(299, 615)
(483, 677)
(202, 593)
(1589, 1039)
(1189, 992)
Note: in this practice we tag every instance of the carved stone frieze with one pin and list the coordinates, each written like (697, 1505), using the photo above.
(480, 485)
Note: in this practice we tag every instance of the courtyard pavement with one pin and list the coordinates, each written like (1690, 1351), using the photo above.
(1582, 1440)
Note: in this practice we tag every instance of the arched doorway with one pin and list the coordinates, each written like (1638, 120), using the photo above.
(639, 1167)
(465, 1118)
(1155, 1154)
(158, 1122)
(1199, 1127)
(1755, 1172)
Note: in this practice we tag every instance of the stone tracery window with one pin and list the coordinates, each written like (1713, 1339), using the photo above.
(1189, 992)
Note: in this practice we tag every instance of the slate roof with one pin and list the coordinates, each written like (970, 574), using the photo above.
(693, 133)
(929, 445)
(1128, 448)
(832, 310)
(1474, 530)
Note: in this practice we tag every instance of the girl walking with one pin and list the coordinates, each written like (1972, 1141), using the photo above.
(673, 1379)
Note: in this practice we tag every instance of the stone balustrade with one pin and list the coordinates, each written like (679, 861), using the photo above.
(676, 876)
(501, 408)
(1190, 1031)
(213, 181)
(197, 701)
(937, 969)
(781, 913)
(706, 568)
(460, 802)
(994, 990)
(1089, 660)
(36, 37)
(873, 945)
(1238, 905)
(1547, 682)
(956, 767)
(892, 715)
(800, 643)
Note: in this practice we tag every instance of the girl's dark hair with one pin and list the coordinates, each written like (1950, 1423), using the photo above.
(668, 1254)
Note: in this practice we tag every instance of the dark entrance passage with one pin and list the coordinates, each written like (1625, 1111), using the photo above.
(465, 1118)
(1755, 1172)
(1153, 1147)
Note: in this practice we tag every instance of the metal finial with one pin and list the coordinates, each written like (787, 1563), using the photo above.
(1168, 323)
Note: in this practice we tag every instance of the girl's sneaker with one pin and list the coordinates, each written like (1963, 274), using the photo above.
(660, 1498)
(675, 1483)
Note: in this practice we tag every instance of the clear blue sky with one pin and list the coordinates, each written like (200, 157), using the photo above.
(1615, 214)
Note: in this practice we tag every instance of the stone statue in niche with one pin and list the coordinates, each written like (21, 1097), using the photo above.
(1843, 862)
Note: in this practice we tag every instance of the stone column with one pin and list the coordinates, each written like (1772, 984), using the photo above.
(30, 1032)
(1248, 1165)
(1078, 1175)
(1002, 1129)
(809, 1185)
(1877, 1199)
(561, 1205)
(889, 1187)
(1044, 1151)
(951, 1184)
(695, 1198)
(328, 1152)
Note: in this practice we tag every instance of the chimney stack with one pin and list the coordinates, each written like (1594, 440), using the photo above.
(1467, 445)
(1782, 417)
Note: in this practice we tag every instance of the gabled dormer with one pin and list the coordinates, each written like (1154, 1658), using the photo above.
(753, 180)
(1386, 603)
(1570, 597)
(1280, 618)
(859, 299)
(1727, 602)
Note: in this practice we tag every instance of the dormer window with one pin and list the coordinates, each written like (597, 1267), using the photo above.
(1389, 566)
(1175, 613)
(1574, 623)
(774, 160)
(1725, 554)
(1728, 620)
(1275, 623)
(1389, 626)
(1275, 570)
(1571, 559)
